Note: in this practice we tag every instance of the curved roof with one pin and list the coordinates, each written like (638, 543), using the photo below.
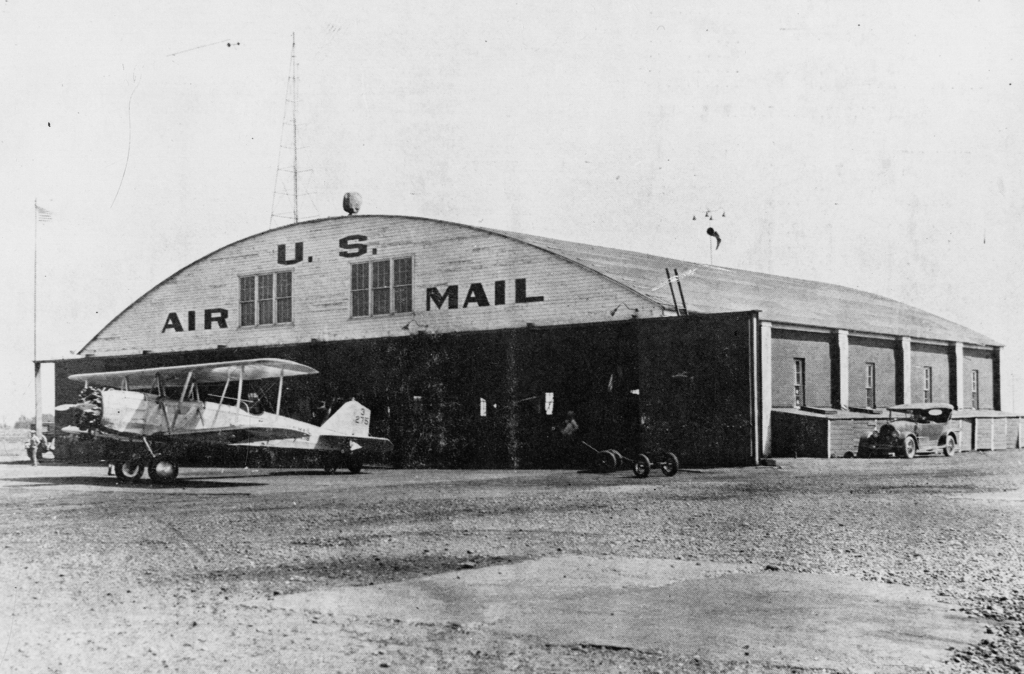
(710, 289)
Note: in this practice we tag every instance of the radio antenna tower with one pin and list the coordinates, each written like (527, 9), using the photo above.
(286, 188)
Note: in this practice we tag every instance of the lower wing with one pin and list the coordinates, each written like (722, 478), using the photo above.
(217, 436)
(351, 443)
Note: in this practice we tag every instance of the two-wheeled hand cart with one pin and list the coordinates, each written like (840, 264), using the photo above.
(642, 464)
(608, 460)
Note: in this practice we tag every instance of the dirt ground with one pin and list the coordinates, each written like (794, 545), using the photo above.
(296, 571)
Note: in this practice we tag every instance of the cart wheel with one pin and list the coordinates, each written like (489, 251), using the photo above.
(605, 462)
(671, 464)
(620, 461)
(642, 466)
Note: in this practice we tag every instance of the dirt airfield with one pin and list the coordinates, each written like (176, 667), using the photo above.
(814, 565)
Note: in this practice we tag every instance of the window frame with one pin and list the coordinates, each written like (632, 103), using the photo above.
(257, 302)
(869, 385)
(929, 382)
(975, 389)
(374, 299)
(799, 382)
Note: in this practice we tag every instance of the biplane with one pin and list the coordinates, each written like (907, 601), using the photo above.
(206, 403)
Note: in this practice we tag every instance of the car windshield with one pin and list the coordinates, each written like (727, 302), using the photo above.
(932, 414)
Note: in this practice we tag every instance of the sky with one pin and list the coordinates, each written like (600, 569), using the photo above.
(875, 145)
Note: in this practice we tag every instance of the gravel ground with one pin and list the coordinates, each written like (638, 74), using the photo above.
(101, 577)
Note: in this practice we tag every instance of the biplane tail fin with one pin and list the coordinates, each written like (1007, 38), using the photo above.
(351, 420)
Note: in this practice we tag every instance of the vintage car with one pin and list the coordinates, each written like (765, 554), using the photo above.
(912, 429)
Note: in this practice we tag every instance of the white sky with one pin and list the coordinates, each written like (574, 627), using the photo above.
(874, 145)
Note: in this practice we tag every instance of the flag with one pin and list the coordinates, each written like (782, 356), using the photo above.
(43, 215)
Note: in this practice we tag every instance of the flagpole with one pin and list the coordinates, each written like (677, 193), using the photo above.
(35, 273)
(35, 339)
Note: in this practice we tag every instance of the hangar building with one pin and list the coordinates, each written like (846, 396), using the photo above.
(468, 344)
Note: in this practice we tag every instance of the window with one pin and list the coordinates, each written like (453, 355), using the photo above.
(284, 297)
(869, 384)
(361, 289)
(403, 285)
(799, 379)
(265, 299)
(382, 287)
(927, 384)
(247, 294)
(975, 390)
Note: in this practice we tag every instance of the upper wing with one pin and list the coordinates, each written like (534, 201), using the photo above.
(202, 373)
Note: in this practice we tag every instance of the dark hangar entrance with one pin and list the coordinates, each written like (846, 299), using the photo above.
(490, 399)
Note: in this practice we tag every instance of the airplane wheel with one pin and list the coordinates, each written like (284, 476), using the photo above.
(162, 470)
(355, 464)
(129, 470)
(671, 465)
(331, 464)
(642, 466)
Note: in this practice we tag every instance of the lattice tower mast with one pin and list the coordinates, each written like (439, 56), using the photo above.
(286, 188)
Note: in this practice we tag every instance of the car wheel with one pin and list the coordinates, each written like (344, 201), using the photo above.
(909, 447)
(619, 459)
(605, 462)
(950, 448)
(642, 466)
(671, 464)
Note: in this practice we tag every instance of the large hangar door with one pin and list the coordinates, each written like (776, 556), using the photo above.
(698, 387)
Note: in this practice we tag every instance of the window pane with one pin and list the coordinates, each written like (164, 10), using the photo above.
(403, 285)
(247, 288)
(284, 284)
(284, 310)
(403, 299)
(403, 272)
(798, 382)
(381, 300)
(284, 297)
(361, 276)
(382, 287)
(361, 289)
(266, 298)
(247, 297)
(382, 274)
(266, 286)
